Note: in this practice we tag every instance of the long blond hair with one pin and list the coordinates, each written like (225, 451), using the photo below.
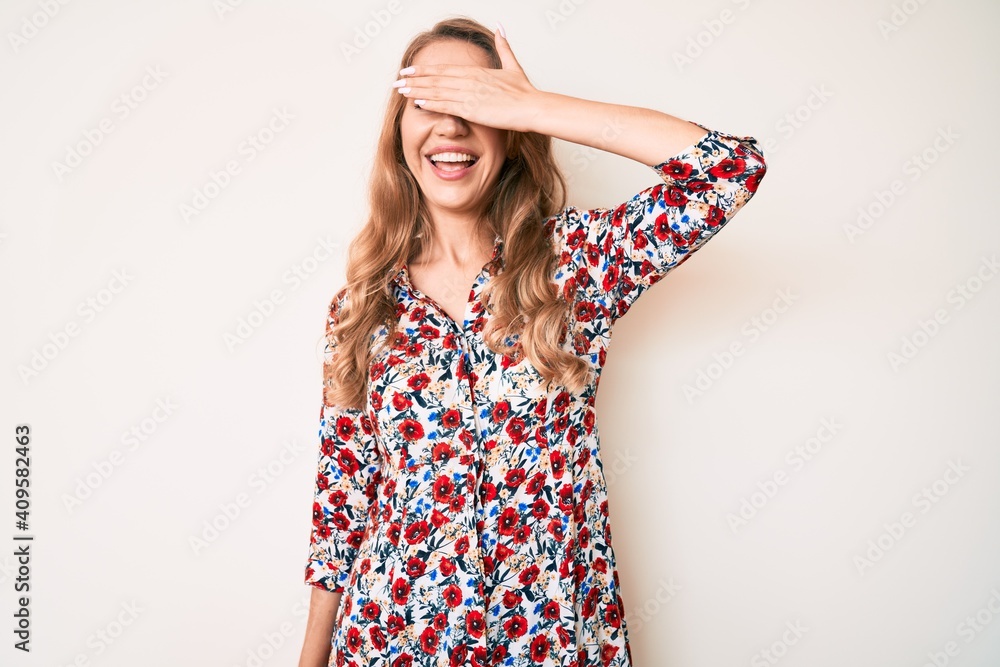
(525, 300)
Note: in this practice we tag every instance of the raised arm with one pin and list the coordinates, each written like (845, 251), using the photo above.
(618, 253)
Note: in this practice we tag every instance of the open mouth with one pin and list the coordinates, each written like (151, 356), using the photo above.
(452, 163)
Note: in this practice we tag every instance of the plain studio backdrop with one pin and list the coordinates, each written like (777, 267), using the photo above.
(799, 427)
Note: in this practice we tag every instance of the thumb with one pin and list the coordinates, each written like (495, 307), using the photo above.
(507, 59)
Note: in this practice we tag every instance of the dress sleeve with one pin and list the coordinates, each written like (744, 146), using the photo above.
(617, 254)
(347, 477)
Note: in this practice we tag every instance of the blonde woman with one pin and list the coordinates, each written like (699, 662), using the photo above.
(461, 511)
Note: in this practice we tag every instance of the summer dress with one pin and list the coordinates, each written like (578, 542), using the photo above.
(464, 512)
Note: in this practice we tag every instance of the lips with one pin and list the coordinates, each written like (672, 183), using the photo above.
(451, 162)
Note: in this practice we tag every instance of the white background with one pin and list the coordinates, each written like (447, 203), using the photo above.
(841, 105)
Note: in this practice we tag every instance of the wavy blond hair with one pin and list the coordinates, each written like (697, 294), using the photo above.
(525, 301)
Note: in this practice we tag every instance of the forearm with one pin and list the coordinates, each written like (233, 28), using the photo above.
(316, 645)
(644, 135)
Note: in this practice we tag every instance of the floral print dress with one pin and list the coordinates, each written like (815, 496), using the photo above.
(464, 512)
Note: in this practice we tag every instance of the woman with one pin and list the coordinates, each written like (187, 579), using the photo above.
(461, 508)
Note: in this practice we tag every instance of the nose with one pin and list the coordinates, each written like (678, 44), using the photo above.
(450, 125)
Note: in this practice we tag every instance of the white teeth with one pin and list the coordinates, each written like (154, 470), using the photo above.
(453, 157)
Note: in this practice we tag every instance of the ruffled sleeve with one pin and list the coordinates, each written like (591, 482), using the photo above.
(347, 477)
(616, 254)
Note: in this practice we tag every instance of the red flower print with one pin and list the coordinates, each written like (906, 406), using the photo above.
(586, 311)
(675, 196)
(370, 611)
(400, 591)
(438, 518)
(401, 402)
(345, 428)
(558, 462)
(418, 381)
(395, 624)
(515, 429)
(512, 599)
(700, 186)
(501, 411)
(377, 637)
(610, 278)
(416, 532)
(516, 626)
(411, 429)
(429, 640)
(515, 477)
(346, 462)
(440, 621)
(475, 624)
(443, 488)
(590, 603)
(539, 648)
(611, 616)
(447, 567)
(353, 639)
(551, 610)
(415, 567)
(461, 545)
(404, 660)
(451, 419)
(678, 169)
(528, 575)
(714, 216)
(729, 168)
(503, 552)
(661, 228)
(509, 521)
(452, 595)
(608, 653)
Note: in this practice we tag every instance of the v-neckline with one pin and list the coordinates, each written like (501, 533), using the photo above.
(470, 298)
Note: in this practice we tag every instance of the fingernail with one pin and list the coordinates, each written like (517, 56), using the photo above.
(407, 70)
(420, 102)
(503, 33)
(397, 84)
(403, 91)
